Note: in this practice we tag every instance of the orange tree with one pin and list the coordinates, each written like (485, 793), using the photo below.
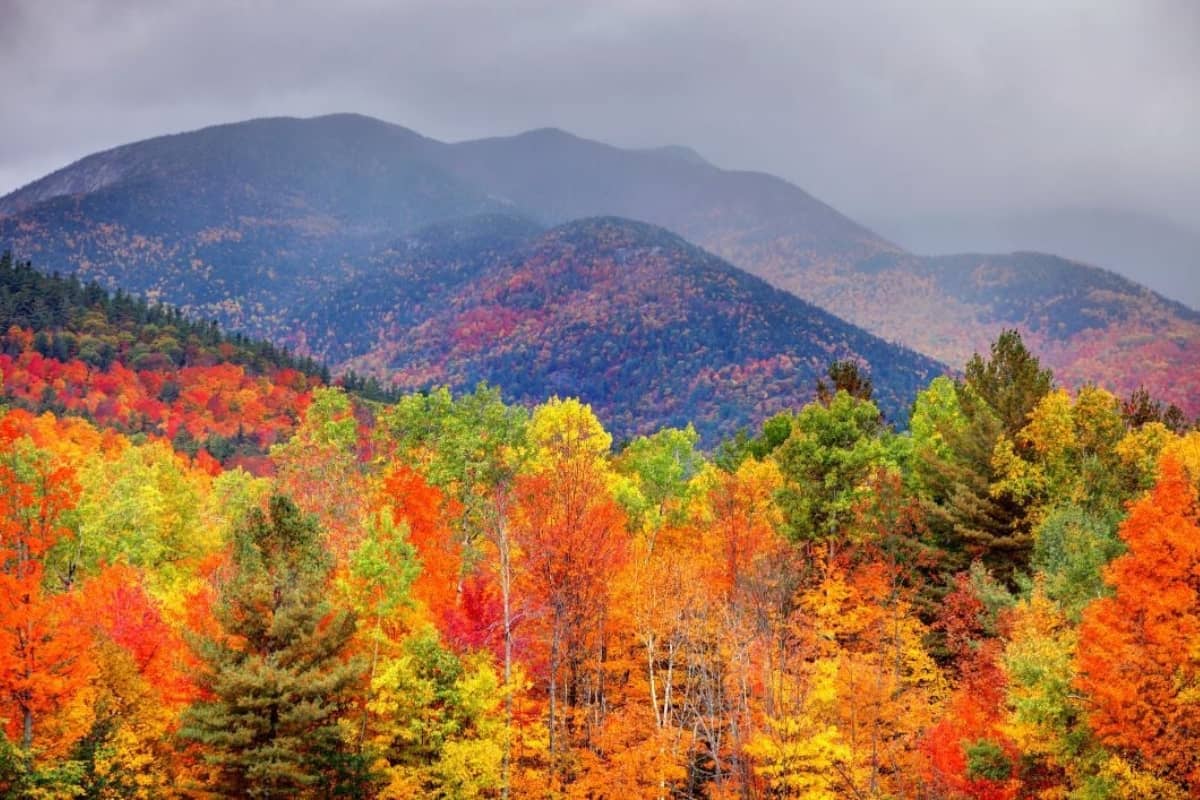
(1139, 650)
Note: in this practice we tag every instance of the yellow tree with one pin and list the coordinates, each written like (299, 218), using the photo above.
(853, 708)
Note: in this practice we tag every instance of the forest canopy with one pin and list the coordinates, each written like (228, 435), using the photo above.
(449, 596)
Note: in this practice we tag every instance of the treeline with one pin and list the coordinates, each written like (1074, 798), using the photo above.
(147, 369)
(460, 598)
(75, 320)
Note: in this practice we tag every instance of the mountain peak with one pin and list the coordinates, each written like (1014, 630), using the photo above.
(549, 132)
(244, 145)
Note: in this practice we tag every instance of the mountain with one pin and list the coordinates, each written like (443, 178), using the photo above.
(556, 177)
(1154, 250)
(257, 223)
(1087, 323)
(238, 222)
(646, 327)
(241, 221)
(403, 283)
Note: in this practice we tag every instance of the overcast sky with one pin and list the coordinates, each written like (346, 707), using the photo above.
(887, 110)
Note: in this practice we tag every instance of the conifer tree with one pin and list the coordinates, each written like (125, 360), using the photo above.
(276, 675)
(955, 461)
(844, 376)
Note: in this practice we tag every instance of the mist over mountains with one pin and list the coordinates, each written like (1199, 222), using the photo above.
(1160, 252)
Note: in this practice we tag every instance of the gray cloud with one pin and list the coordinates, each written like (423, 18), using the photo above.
(889, 110)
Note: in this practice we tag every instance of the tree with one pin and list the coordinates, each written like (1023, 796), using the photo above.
(1071, 550)
(1140, 409)
(955, 456)
(967, 752)
(439, 727)
(43, 646)
(275, 680)
(1066, 453)
(845, 376)
(572, 534)
(1137, 658)
(826, 461)
(319, 467)
(1010, 382)
(141, 685)
(657, 471)
(143, 505)
(473, 449)
(1045, 714)
(860, 692)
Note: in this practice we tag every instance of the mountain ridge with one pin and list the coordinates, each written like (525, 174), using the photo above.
(647, 327)
(224, 223)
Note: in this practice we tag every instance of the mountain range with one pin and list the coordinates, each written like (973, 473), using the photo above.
(654, 284)
(1153, 249)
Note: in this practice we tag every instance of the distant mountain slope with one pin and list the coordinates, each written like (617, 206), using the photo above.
(948, 307)
(649, 329)
(1154, 250)
(259, 223)
(560, 177)
(403, 283)
(1089, 324)
(242, 220)
(239, 221)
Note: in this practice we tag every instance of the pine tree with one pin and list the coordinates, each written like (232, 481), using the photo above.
(1011, 382)
(956, 465)
(277, 675)
(845, 376)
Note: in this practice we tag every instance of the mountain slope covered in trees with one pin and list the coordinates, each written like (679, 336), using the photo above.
(1090, 324)
(146, 370)
(249, 222)
(645, 327)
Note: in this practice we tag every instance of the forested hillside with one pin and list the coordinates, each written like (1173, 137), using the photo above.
(271, 225)
(74, 348)
(465, 598)
(649, 330)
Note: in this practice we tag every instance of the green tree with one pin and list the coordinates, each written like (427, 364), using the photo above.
(827, 460)
(955, 456)
(1010, 383)
(845, 376)
(1071, 550)
(657, 472)
(276, 675)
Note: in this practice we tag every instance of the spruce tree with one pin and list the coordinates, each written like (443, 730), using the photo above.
(277, 675)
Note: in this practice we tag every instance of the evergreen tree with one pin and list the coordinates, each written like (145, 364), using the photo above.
(954, 459)
(277, 675)
(1009, 384)
(845, 376)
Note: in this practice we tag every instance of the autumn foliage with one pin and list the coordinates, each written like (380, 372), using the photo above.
(453, 597)
(1137, 656)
